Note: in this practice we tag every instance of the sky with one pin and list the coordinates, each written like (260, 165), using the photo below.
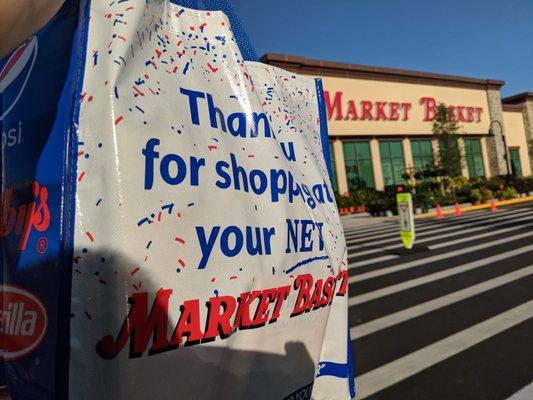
(475, 38)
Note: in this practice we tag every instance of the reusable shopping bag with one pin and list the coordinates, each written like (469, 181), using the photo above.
(174, 235)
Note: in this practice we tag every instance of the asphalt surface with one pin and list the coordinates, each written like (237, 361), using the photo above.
(450, 320)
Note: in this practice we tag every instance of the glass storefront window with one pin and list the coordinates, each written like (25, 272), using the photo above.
(334, 183)
(474, 158)
(453, 147)
(422, 155)
(392, 162)
(358, 164)
(516, 165)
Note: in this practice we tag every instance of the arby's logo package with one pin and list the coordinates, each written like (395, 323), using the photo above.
(168, 225)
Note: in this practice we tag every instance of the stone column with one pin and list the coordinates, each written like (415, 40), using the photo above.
(528, 125)
(495, 146)
(484, 151)
(340, 168)
(376, 164)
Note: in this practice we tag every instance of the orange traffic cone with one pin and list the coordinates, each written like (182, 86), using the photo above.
(439, 214)
(458, 211)
(493, 205)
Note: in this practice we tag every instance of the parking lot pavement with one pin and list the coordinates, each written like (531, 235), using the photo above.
(450, 320)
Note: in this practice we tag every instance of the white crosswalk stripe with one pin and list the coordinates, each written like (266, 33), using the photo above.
(435, 276)
(492, 233)
(384, 227)
(424, 308)
(372, 261)
(447, 235)
(394, 233)
(425, 261)
(417, 361)
(524, 394)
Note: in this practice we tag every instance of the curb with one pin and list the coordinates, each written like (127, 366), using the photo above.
(478, 207)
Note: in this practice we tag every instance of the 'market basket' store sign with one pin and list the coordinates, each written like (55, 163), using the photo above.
(340, 108)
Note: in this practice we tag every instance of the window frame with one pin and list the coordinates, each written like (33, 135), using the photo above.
(397, 179)
(423, 157)
(470, 156)
(517, 150)
(357, 160)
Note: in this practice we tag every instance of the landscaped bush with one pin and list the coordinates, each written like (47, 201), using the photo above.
(475, 195)
(427, 193)
(374, 200)
(496, 183)
(507, 193)
(528, 184)
(422, 199)
(510, 193)
(445, 199)
(358, 197)
(521, 184)
(460, 183)
(343, 201)
(477, 183)
(486, 194)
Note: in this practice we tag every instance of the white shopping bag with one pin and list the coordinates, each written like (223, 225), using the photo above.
(209, 260)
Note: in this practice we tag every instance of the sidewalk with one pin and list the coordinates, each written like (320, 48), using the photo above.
(365, 220)
(450, 210)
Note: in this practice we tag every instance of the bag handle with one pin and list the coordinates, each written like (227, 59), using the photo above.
(243, 41)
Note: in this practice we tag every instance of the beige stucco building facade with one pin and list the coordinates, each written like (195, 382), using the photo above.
(380, 121)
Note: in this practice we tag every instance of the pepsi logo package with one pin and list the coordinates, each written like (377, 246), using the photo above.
(168, 225)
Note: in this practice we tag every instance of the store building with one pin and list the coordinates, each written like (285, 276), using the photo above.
(380, 121)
